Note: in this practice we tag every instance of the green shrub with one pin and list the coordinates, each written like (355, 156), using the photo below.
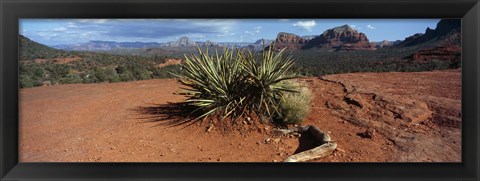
(71, 79)
(235, 83)
(295, 106)
(166, 72)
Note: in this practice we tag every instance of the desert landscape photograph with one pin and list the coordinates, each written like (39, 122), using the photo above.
(240, 90)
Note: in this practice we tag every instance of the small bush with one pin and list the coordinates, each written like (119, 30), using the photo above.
(294, 107)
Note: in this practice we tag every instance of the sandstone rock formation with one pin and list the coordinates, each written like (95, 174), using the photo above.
(342, 38)
(289, 41)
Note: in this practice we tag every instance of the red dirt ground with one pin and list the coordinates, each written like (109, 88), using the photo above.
(101, 123)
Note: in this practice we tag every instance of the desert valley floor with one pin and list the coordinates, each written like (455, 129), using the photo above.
(409, 117)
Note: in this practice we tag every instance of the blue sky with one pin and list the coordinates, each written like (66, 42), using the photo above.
(71, 31)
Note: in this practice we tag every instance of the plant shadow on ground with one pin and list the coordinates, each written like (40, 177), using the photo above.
(306, 141)
(169, 114)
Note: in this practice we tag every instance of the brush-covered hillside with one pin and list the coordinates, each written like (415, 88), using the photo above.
(42, 65)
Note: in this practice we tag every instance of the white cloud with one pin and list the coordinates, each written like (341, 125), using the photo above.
(371, 27)
(95, 21)
(255, 30)
(195, 35)
(306, 25)
(60, 29)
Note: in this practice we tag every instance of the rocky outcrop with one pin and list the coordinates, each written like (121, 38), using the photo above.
(289, 41)
(181, 42)
(443, 53)
(342, 38)
(260, 44)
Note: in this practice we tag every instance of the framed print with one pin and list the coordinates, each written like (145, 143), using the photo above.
(239, 90)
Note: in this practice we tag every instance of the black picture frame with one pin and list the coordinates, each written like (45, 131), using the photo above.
(11, 11)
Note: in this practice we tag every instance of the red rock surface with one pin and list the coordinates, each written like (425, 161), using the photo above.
(449, 53)
(101, 122)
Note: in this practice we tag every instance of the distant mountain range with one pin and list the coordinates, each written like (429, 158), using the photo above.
(346, 38)
(341, 38)
(181, 42)
(443, 42)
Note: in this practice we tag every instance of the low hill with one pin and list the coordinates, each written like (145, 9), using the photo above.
(43, 65)
(30, 50)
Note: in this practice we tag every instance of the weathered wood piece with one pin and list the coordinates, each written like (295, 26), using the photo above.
(327, 146)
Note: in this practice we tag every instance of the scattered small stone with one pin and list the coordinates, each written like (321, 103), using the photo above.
(344, 122)
(249, 120)
(297, 135)
(112, 148)
(267, 141)
(258, 142)
(340, 150)
(218, 159)
(276, 140)
(275, 160)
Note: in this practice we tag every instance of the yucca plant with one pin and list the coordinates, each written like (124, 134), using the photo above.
(235, 83)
